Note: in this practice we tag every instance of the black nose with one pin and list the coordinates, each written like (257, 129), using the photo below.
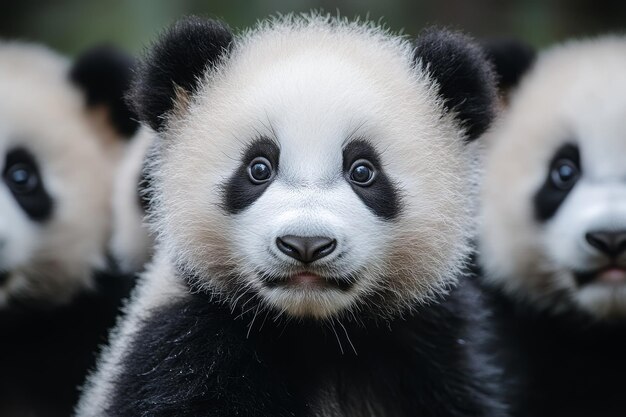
(306, 249)
(609, 243)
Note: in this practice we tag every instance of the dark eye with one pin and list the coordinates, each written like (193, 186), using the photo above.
(260, 170)
(362, 172)
(22, 178)
(564, 174)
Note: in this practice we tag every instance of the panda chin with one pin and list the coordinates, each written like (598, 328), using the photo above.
(308, 280)
(612, 275)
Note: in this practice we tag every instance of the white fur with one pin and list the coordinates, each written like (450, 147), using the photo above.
(131, 244)
(41, 111)
(576, 93)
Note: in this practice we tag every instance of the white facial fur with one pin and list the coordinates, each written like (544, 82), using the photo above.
(43, 113)
(575, 94)
(131, 244)
(311, 86)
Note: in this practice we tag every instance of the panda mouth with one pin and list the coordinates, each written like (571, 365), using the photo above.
(610, 275)
(308, 280)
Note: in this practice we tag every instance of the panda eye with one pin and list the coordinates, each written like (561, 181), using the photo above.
(564, 174)
(260, 170)
(21, 178)
(362, 172)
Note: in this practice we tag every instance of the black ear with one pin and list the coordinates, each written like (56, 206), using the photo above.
(104, 74)
(510, 58)
(177, 60)
(464, 76)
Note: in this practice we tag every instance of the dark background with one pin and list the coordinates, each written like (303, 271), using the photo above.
(73, 25)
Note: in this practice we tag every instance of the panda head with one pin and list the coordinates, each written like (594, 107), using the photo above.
(314, 165)
(555, 190)
(56, 156)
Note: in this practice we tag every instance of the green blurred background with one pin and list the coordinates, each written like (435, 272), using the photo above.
(72, 25)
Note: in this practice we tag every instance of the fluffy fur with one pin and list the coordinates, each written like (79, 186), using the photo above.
(53, 236)
(222, 307)
(561, 300)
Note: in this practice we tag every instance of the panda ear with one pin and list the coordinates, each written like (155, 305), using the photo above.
(104, 74)
(176, 65)
(511, 59)
(464, 77)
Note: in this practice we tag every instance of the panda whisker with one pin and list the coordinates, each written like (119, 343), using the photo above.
(332, 326)
(267, 313)
(252, 321)
(347, 336)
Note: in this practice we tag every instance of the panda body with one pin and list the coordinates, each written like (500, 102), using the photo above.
(56, 299)
(203, 359)
(554, 183)
(310, 229)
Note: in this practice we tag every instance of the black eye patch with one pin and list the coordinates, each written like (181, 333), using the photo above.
(239, 191)
(22, 177)
(380, 195)
(563, 173)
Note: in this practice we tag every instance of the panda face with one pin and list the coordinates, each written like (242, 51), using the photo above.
(54, 188)
(555, 194)
(317, 170)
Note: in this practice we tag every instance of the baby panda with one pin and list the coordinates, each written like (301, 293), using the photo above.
(553, 240)
(62, 127)
(131, 243)
(311, 194)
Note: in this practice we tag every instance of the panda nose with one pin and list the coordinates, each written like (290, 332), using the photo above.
(610, 243)
(306, 249)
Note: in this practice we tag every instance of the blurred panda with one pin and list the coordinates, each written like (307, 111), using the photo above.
(553, 241)
(62, 128)
(131, 242)
(312, 199)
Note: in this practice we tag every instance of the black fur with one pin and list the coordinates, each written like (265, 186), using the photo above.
(45, 352)
(549, 197)
(36, 203)
(144, 189)
(104, 74)
(465, 79)
(178, 59)
(511, 59)
(382, 196)
(240, 192)
(560, 365)
(197, 357)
